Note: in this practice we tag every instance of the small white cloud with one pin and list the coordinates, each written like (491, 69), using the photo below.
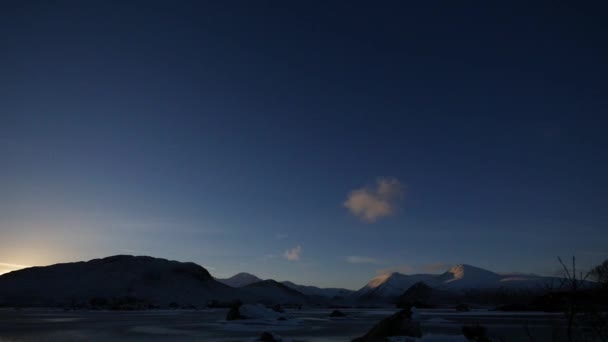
(293, 254)
(280, 236)
(371, 204)
(354, 259)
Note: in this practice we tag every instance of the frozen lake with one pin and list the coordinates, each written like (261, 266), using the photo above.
(313, 325)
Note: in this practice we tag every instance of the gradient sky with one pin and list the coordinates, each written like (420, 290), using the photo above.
(311, 141)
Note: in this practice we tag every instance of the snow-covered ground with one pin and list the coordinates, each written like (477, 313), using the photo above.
(313, 325)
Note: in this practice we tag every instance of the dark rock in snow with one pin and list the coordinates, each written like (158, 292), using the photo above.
(269, 337)
(253, 311)
(278, 308)
(234, 313)
(337, 313)
(475, 333)
(463, 307)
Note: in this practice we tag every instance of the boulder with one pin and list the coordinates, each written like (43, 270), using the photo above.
(337, 313)
(463, 307)
(233, 314)
(269, 337)
(475, 333)
(253, 311)
(278, 308)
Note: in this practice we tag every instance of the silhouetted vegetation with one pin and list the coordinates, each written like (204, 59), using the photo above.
(600, 274)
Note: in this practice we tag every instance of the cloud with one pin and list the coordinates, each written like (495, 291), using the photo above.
(371, 204)
(293, 254)
(280, 236)
(354, 259)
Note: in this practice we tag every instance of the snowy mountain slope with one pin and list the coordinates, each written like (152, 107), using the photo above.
(459, 277)
(467, 276)
(391, 285)
(151, 280)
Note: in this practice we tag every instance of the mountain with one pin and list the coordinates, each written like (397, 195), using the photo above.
(145, 281)
(240, 280)
(461, 277)
(317, 291)
(390, 286)
(142, 279)
(271, 291)
(243, 279)
(467, 276)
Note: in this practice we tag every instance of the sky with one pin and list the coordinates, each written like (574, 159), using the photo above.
(318, 142)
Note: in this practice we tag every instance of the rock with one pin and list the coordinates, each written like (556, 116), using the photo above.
(399, 324)
(337, 313)
(234, 314)
(269, 337)
(278, 308)
(415, 315)
(463, 307)
(475, 333)
(253, 311)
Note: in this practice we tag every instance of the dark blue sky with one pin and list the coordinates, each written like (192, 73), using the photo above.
(230, 133)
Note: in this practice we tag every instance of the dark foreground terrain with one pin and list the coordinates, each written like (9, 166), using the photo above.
(306, 325)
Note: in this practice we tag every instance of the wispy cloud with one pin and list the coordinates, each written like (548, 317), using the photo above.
(355, 259)
(372, 203)
(293, 254)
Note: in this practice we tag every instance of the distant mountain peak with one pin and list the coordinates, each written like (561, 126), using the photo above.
(381, 279)
(459, 271)
(240, 279)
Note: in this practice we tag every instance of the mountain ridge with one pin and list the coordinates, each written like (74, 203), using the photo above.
(161, 281)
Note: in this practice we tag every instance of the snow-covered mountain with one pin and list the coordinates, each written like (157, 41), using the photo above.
(467, 276)
(390, 285)
(317, 291)
(143, 279)
(459, 277)
(240, 280)
(162, 282)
